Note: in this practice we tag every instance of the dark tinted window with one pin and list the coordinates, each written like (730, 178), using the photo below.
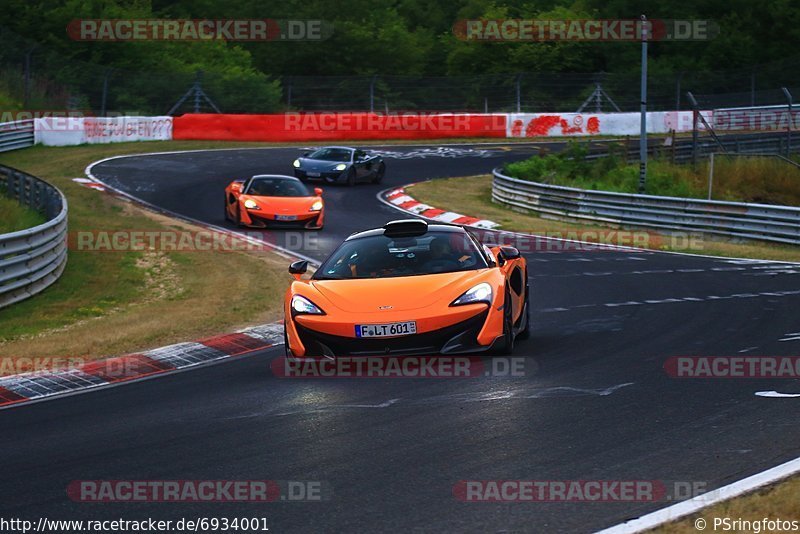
(381, 257)
(331, 154)
(277, 187)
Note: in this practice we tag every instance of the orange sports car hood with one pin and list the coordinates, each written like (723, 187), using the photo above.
(367, 295)
(288, 205)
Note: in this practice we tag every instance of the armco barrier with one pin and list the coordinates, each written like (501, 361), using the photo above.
(290, 127)
(14, 135)
(32, 259)
(733, 219)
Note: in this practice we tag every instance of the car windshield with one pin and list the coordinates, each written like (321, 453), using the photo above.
(277, 187)
(331, 154)
(382, 257)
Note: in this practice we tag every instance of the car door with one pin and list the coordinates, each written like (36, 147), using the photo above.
(362, 164)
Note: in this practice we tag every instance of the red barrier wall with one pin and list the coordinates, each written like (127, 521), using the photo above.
(336, 126)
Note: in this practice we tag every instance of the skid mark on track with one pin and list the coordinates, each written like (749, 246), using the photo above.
(495, 395)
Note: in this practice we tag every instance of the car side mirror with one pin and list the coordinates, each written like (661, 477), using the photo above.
(510, 253)
(318, 191)
(498, 253)
(298, 268)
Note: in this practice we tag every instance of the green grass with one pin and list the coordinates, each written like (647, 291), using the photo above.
(765, 180)
(14, 217)
(473, 196)
(108, 303)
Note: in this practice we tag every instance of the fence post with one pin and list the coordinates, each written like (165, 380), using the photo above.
(695, 118)
(198, 87)
(710, 173)
(788, 122)
(105, 93)
(27, 89)
(519, 93)
(372, 94)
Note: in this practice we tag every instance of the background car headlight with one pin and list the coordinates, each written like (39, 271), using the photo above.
(296, 164)
(316, 206)
(301, 305)
(340, 167)
(251, 204)
(480, 293)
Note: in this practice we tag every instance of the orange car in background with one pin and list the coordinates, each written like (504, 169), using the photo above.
(408, 288)
(274, 200)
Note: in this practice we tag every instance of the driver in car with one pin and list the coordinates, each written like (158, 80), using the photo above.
(442, 257)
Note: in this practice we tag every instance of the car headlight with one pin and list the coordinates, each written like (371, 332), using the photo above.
(251, 204)
(301, 305)
(480, 293)
(316, 206)
(340, 167)
(296, 164)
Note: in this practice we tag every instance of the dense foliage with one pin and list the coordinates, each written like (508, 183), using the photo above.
(399, 37)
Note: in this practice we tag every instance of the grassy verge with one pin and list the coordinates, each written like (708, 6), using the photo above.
(473, 196)
(766, 180)
(774, 502)
(14, 217)
(109, 303)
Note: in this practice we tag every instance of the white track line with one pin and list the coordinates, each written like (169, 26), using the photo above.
(696, 504)
(233, 233)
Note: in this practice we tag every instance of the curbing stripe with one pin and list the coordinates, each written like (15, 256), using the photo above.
(401, 200)
(20, 389)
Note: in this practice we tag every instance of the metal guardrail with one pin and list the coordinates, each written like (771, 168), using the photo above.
(32, 259)
(683, 149)
(14, 135)
(731, 219)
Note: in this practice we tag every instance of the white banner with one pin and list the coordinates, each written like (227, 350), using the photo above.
(583, 124)
(66, 131)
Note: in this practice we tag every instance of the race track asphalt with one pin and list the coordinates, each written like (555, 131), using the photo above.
(594, 403)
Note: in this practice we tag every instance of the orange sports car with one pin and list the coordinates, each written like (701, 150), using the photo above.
(274, 200)
(408, 288)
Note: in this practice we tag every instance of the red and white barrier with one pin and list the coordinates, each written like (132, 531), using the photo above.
(583, 124)
(290, 127)
(68, 131)
(343, 127)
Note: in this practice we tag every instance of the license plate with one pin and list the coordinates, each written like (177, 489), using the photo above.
(286, 217)
(386, 330)
(314, 174)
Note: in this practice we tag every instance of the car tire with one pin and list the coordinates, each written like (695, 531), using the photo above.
(351, 177)
(227, 215)
(379, 173)
(506, 344)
